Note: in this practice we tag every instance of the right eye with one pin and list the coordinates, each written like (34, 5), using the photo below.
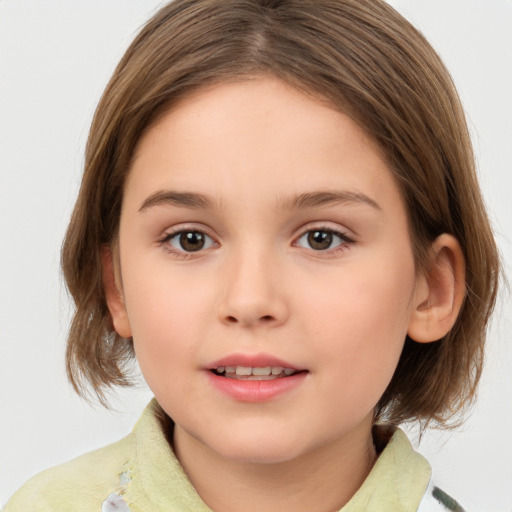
(188, 241)
(323, 239)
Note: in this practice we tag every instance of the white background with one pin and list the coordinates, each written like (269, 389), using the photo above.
(55, 59)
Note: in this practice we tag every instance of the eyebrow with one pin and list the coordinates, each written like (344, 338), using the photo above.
(181, 199)
(328, 198)
(197, 201)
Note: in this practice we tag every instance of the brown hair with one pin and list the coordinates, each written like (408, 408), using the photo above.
(365, 60)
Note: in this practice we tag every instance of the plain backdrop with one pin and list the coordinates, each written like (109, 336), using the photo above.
(55, 59)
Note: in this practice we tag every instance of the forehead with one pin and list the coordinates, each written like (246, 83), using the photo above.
(257, 135)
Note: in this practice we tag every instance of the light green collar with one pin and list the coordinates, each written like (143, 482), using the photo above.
(397, 482)
(156, 481)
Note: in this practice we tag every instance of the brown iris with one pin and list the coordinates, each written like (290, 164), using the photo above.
(319, 240)
(192, 241)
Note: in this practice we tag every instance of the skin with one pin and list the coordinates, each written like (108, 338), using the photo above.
(257, 286)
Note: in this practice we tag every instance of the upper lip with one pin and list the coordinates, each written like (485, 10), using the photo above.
(252, 361)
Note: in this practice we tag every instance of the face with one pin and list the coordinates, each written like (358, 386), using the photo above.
(267, 274)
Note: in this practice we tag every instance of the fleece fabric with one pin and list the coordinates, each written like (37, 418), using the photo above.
(140, 473)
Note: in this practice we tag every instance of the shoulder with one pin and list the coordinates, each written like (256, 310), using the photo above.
(78, 485)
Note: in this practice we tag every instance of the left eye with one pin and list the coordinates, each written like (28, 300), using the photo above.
(321, 239)
(190, 241)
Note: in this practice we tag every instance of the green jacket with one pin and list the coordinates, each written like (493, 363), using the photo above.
(141, 474)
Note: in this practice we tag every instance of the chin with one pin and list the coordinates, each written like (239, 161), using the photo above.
(259, 449)
(259, 456)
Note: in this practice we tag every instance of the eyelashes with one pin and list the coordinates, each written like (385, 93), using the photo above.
(187, 243)
(322, 239)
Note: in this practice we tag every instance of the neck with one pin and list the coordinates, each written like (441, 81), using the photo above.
(321, 480)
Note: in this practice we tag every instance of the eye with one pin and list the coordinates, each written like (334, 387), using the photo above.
(322, 239)
(189, 241)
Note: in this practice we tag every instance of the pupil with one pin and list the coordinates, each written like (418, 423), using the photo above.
(192, 241)
(319, 240)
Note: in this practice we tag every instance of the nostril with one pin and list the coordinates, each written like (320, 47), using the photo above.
(234, 320)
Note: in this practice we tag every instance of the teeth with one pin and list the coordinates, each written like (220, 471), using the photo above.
(262, 371)
(246, 371)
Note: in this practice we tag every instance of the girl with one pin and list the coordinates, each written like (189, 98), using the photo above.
(279, 217)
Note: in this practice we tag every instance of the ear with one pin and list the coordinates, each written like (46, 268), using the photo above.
(114, 295)
(439, 293)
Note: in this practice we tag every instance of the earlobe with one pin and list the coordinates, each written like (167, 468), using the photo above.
(114, 296)
(439, 293)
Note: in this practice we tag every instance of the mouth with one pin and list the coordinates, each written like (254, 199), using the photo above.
(255, 378)
(256, 373)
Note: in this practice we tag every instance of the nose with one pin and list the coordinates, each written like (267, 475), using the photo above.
(254, 293)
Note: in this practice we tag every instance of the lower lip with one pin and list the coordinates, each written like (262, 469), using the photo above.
(256, 390)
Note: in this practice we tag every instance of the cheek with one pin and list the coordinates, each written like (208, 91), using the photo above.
(166, 317)
(362, 325)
